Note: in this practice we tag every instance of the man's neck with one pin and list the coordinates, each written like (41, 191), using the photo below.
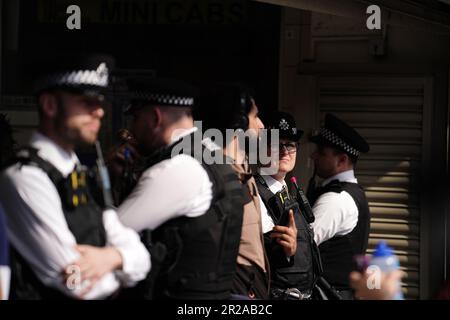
(339, 171)
(173, 131)
(332, 177)
(279, 177)
(57, 139)
(234, 151)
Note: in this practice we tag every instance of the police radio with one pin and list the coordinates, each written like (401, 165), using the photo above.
(84, 185)
(303, 202)
(103, 177)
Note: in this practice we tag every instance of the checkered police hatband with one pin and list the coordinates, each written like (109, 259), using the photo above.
(97, 78)
(337, 141)
(164, 99)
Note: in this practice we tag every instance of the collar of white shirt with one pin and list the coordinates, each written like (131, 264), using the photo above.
(48, 150)
(211, 145)
(181, 133)
(346, 176)
(273, 184)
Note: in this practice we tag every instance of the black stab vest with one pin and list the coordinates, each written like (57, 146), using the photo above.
(85, 221)
(299, 271)
(338, 252)
(196, 257)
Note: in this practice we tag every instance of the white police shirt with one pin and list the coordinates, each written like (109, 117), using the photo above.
(5, 271)
(274, 187)
(38, 229)
(172, 188)
(336, 214)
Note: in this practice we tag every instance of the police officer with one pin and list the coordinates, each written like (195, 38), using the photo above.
(341, 226)
(6, 155)
(289, 246)
(4, 259)
(227, 106)
(193, 209)
(64, 245)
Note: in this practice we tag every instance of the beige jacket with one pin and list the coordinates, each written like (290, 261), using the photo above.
(251, 249)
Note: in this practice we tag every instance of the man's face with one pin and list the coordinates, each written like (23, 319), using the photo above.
(254, 122)
(145, 130)
(288, 156)
(326, 161)
(79, 118)
(253, 132)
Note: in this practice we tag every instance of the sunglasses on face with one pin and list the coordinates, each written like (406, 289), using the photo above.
(290, 147)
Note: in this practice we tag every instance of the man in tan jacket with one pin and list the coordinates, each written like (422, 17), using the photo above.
(226, 107)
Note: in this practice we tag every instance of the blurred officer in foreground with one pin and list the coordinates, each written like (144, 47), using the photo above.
(5, 271)
(190, 212)
(342, 218)
(63, 244)
(6, 155)
(230, 107)
(289, 241)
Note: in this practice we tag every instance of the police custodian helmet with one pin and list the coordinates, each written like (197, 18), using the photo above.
(285, 123)
(159, 92)
(87, 74)
(340, 135)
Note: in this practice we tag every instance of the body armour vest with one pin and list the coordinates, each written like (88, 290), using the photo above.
(195, 258)
(297, 272)
(83, 215)
(338, 252)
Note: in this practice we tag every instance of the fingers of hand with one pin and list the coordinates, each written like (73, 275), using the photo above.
(355, 276)
(90, 274)
(292, 220)
(285, 230)
(286, 241)
(396, 275)
(356, 280)
(83, 249)
(289, 247)
(88, 285)
(283, 236)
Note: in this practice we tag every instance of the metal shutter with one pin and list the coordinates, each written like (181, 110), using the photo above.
(23, 115)
(388, 112)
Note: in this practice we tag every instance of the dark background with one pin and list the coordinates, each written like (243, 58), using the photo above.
(196, 41)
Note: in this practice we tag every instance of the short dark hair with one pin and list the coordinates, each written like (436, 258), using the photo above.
(224, 106)
(53, 91)
(337, 151)
(352, 158)
(176, 113)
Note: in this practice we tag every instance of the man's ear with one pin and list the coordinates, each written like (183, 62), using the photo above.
(48, 105)
(152, 117)
(157, 117)
(343, 159)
